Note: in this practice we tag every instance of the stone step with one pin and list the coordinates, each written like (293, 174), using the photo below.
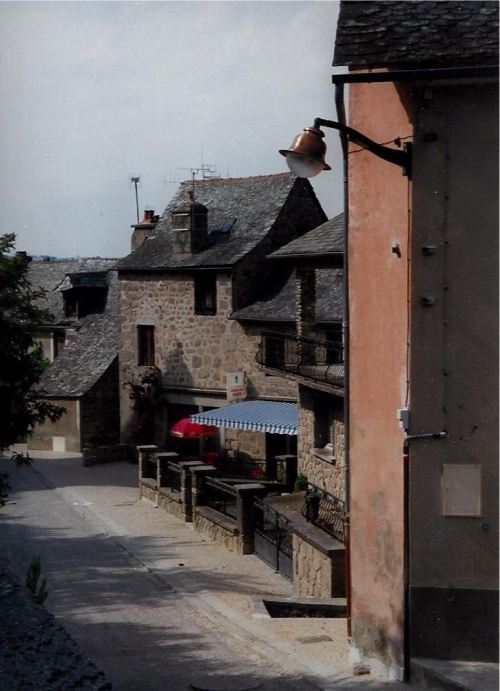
(455, 675)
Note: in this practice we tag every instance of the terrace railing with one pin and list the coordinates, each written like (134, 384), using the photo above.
(220, 497)
(172, 476)
(307, 357)
(324, 510)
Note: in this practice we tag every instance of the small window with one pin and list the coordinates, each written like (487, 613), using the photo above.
(59, 341)
(205, 294)
(324, 429)
(146, 345)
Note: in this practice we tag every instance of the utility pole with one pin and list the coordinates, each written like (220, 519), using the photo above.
(136, 180)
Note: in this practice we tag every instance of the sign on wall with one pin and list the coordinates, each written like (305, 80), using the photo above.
(235, 386)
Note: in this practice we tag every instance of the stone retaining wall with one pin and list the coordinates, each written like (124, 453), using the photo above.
(219, 534)
(147, 492)
(170, 505)
(96, 455)
(312, 570)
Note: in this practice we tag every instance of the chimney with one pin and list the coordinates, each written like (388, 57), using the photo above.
(189, 232)
(23, 256)
(144, 229)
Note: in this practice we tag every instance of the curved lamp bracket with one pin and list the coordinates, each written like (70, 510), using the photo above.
(401, 157)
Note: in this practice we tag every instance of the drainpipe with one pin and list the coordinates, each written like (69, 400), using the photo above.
(340, 107)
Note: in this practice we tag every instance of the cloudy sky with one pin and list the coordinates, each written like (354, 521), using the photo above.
(94, 92)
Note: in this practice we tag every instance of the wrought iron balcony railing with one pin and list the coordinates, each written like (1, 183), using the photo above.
(311, 358)
(325, 510)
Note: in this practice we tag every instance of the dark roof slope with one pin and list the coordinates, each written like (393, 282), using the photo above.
(327, 238)
(85, 358)
(416, 31)
(93, 345)
(255, 203)
(281, 305)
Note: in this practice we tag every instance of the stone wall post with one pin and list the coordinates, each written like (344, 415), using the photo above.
(286, 470)
(187, 488)
(198, 475)
(246, 513)
(163, 458)
(146, 453)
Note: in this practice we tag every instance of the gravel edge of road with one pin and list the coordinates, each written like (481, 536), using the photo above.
(37, 653)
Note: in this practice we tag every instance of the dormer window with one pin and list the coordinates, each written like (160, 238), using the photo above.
(205, 294)
(79, 302)
(84, 293)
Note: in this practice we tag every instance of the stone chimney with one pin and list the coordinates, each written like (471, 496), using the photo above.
(189, 233)
(143, 229)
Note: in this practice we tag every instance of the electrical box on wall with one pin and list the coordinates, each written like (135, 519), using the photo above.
(461, 489)
(404, 418)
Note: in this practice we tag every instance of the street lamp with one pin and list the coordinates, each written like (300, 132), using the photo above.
(306, 155)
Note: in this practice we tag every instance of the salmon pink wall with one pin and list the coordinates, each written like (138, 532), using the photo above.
(378, 309)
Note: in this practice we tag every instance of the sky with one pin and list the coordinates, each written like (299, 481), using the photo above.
(94, 93)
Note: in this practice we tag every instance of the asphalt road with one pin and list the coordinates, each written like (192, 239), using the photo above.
(145, 631)
(136, 628)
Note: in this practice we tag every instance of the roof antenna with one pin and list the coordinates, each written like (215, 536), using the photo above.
(136, 180)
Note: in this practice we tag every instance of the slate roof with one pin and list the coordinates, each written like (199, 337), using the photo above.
(94, 345)
(280, 306)
(255, 203)
(410, 32)
(327, 238)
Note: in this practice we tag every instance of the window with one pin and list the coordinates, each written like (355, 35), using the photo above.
(59, 341)
(205, 294)
(324, 429)
(79, 302)
(146, 345)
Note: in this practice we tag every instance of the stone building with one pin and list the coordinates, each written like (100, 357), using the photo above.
(301, 341)
(205, 259)
(81, 343)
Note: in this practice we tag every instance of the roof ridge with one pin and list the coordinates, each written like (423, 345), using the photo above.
(214, 181)
(58, 260)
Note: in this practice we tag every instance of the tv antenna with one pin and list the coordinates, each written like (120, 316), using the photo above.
(207, 171)
(135, 180)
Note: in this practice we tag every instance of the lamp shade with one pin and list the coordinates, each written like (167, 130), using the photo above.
(187, 429)
(306, 155)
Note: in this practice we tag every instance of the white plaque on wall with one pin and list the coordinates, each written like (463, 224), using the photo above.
(236, 386)
(461, 489)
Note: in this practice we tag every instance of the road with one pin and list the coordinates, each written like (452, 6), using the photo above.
(147, 619)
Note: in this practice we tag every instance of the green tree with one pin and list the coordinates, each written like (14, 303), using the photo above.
(21, 356)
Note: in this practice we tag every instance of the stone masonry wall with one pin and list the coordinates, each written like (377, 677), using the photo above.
(192, 351)
(327, 475)
(240, 442)
(312, 570)
(222, 536)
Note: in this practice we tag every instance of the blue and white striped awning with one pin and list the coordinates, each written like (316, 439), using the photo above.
(276, 417)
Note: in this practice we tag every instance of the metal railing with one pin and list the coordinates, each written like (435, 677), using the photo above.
(220, 497)
(171, 477)
(324, 510)
(308, 357)
(273, 538)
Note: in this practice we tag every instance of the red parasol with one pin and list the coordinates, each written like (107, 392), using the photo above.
(187, 429)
